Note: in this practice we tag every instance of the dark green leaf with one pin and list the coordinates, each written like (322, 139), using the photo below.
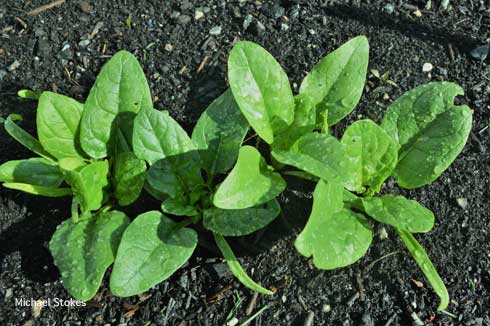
(39, 190)
(251, 182)
(178, 207)
(36, 171)
(119, 92)
(129, 177)
(336, 83)
(219, 133)
(84, 250)
(261, 88)
(239, 222)
(334, 236)
(152, 248)
(430, 129)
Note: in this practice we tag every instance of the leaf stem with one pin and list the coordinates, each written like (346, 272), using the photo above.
(74, 209)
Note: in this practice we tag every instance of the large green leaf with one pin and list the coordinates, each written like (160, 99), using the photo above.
(239, 222)
(156, 135)
(38, 190)
(335, 84)
(399, 212)
(426, 266)
(84, 250)
(119, 92)
(430, 130)
(36, 171)
(178, 207)
(152, 248)
(88, 183)
(321, 155)
(251, 182)
(58, 119)
(219, 133)
(129, 177)
(334, 236)
(235, 266)
(261, 89)
(374, 154)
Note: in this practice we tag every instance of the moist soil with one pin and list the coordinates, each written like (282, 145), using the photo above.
(184, 58)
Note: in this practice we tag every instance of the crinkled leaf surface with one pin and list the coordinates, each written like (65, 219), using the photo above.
(58, 119)
(335, 84)
(156, 135)
(399, 212)
(36, 171)
(84, 250)
(426, 266)
(178, 207)
(430, 130)
(373, 152)
(129, 177)
(321, 155)
(251, 182)
(152, 248)
(261, 89)
(334, 236)
(219, 133)
(238, 222)
(88, 183)
(119, 92)
(39, 190)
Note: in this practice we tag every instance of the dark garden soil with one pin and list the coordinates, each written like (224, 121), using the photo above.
(62, 49)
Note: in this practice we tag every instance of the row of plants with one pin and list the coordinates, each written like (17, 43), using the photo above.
(108, 150)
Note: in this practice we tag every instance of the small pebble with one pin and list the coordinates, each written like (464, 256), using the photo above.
(481, 52)
(85, 7)
(216, 30)
(232, 322)
(169, 47)
(260, 27)
(284, 27)
(14, 65)
(198, 14)
(427, 67)
(462, 202)
(383, 235)
(389, 8)
(417, 13)
(183, 19)
(247, 21)
(84, 43)
(326, 308)
(284, 299)
(8, 294)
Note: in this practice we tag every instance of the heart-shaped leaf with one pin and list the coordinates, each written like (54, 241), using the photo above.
(129, 177)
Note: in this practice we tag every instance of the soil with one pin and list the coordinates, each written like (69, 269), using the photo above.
(53, 51)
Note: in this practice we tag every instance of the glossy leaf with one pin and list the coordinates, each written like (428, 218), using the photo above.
(58, 119)
(236, 268)
(426, 266)
(321, 155)
(335, 84)
(29, 94)
(251, 182)
(39, 190)
(399, 212)
(36, 171)
(373, 153)
(334, 236)
(239, 222)
(129, 177)
(261, 89)
(178, 207)
(84, 250)
(430, 129)
(119, 92)
(152, 248)
(156, 135)
(219, 133)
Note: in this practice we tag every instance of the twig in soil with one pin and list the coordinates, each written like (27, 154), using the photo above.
(368, 268)
(218, 295)
(362, 295)
(170, 306)
(261, 310)
(45, 7)
(309, 318)
(20, 21)
(251, 305)
(238, 302)
(203, 63)
(450, 51)
(416, 319)
(390, 321)
(449, 314)
(353, 299)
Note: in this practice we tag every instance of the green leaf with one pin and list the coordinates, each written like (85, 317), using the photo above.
(178, 207)
(175, 175)
(119, 92)
(335, 84)
(334, 236)
(304, 122)
(430, 130)
(84, 250)
(36, 171)
(235, 266)
(399, 212)
(23, 137)
(58, 120)
(239, 222)
(426, 266)
(152, 248)
(374, 154)
(251, 182)
(28, 94)
(219, 133)
(129, 177)
(39, 190)
(321, 155)
(156, 135)
(261, 89)
(88, 183)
